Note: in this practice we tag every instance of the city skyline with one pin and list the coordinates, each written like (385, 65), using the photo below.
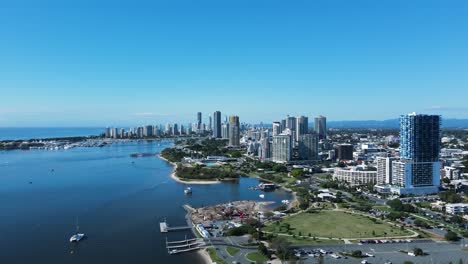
(127, 66)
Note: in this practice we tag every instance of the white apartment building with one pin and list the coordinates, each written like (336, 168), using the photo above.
(355, 177)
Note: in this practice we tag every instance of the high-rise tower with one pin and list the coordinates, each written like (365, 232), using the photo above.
(234, 131)
(320, 126)
(217, 124)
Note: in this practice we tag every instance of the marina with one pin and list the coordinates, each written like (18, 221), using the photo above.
(187, 245)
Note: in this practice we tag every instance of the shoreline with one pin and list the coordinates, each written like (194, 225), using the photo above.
(203, 253)
(177, 179)
(173, 175)
(205, 256)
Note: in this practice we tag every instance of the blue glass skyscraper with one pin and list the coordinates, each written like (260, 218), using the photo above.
(418, 170)
(420, 137)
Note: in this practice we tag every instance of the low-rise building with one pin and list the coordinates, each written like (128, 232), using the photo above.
(456, 208)
(439, 205)
(355, 177)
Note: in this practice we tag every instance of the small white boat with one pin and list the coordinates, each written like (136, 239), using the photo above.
(77, 237)
(188, 190)
(261, 196)
(285, 201)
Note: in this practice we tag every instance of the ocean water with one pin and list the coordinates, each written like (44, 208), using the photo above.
(118, 201)
(15, 133)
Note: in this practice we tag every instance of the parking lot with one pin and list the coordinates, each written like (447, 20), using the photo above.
(438, 252)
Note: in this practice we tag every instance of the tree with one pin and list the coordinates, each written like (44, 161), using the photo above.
(465, 234)
(356, 253)
(450, 197)
(421, 223)
(408, 262)
(262, 249)
(281, 246)
(418, 252)
(236, 154)
(451, 236)
(297, 173)
(280, 168)
(399, 206)
(457, 219)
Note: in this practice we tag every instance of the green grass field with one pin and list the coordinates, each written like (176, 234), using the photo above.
(232, 250)
(334, 224)
(256, 257)
(214, 257)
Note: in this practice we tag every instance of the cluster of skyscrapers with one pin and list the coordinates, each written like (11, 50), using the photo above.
(417, 170)
(290, 140)
(149, 131)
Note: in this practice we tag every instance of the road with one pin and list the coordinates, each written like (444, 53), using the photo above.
(438, 252)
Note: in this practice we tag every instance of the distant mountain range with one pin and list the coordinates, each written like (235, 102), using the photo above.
(392, 123)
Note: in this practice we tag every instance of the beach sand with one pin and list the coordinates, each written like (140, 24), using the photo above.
(205, 256)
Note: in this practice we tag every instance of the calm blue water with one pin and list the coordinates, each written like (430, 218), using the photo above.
(116, 203)
(14, 133)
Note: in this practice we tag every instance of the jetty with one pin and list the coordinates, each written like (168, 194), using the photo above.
(164, 227)
(187, 245)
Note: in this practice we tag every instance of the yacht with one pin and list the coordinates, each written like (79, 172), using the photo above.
(188, 190)
(77, 237)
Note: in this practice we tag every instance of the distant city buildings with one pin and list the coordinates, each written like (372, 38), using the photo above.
(282, 148)
(217, 124)
(225, 131)
(320, 127)
(234, 131)
(308, 147)
(291, 124)
(199, 121)
(344, 151)
(277, 128)
(302, 126)
(265, 151)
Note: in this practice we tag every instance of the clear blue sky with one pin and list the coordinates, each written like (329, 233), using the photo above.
(126, 63)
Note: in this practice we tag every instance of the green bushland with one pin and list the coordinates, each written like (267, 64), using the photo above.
(209, 147)
(203, 173)
(173, 154)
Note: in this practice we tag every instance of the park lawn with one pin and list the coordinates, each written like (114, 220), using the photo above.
(214, 257)
(335, 224)
(232, 251)
(306, 241)
(256, 257)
